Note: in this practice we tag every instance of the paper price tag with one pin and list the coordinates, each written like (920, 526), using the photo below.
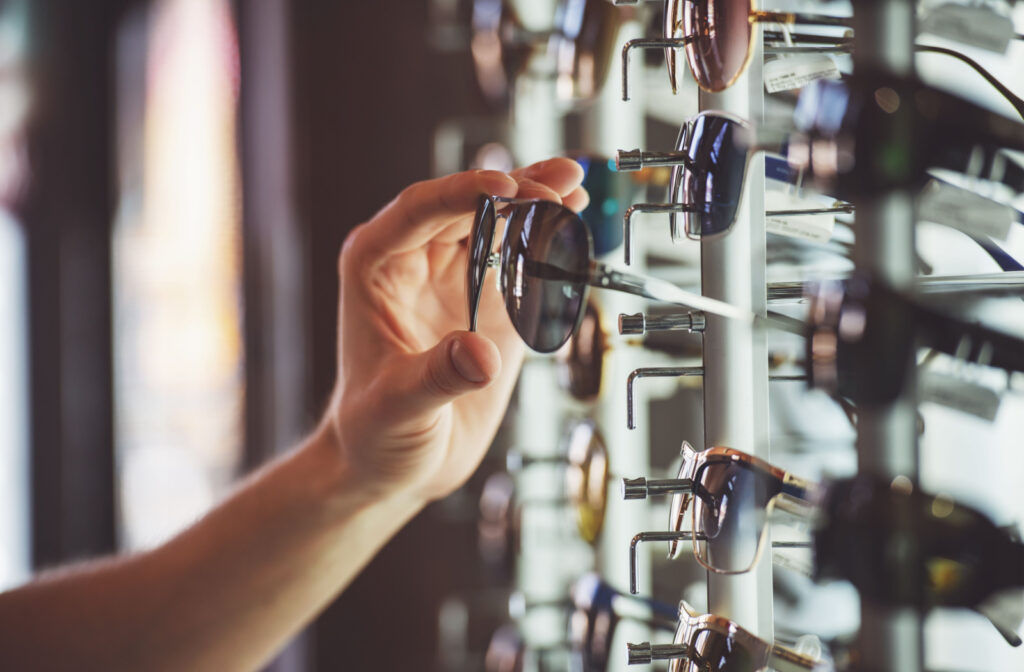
(794, 72)
(944, 203)
(959, 394)
(976, 26)
(815, 228)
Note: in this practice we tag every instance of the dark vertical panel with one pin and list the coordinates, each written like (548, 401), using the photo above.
(68, 215)
(369, 93)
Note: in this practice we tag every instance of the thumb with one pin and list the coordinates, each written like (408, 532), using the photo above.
(462, 362)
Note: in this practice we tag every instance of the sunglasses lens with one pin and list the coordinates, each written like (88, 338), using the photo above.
(677, 518)
(480, 240)
(713, 650)
(713, 182)
(581, 365)
(724, 490)
(545, 263)
(720, 32)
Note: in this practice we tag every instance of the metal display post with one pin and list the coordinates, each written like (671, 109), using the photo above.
(889, 639)
(735, 355)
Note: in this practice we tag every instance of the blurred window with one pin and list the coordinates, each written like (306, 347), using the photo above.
(177, 267)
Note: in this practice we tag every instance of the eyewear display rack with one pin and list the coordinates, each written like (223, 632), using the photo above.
(890, 640)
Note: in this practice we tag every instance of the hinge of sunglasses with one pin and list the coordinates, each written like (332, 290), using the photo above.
(641, 488)
(647, 43)
(627, 220)
(642, 654)
(639, 324)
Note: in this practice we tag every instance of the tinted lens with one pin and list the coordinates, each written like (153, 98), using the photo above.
(721, 33)
(544, 264)
(677, 510)
(582, 363)
(584, 45)
(713, 650)
(730, 509)
(713, 182)
(480, 240)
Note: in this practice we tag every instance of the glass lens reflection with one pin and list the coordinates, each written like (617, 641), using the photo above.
(545, 265)
(713, 182)
(723, 489)
(720, 32)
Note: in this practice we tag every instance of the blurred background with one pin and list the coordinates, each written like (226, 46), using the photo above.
(176, 179)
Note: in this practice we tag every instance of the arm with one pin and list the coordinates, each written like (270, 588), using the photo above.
(415, 406)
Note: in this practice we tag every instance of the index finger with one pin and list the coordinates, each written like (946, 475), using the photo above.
(424, 209)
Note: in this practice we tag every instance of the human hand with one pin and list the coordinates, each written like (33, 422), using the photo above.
(418, 399)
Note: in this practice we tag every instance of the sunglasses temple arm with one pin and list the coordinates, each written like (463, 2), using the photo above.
(653, 372)
(627, 221)
(1010, 96)
(646, 43)
(661, 290)
(646, 653)
(784, 659)
(650, 536)
(642, 488)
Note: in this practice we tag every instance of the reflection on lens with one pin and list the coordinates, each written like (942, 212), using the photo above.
(587, 479)
(680, 501)
(729, 508)
(713, 182)
(480, 240)
(713, 650)
(544, 268)
(721, 40)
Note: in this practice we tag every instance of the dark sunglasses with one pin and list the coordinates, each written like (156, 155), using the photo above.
(876, 132)
(709, 643)
(863, 337)
(955, 556)
(717, 37)
(546, 266)
(709, 168)
(714, 486)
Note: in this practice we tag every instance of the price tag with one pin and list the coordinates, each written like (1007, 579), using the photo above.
(815, 228)
(959, 394)
(794, 72)
(977, 26)
(965, 210)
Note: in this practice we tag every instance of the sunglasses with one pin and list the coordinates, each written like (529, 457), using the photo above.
(876, 132)
(956, 556)
(586, 478)
(545, 267)
(717, 37)
(720, 487)
(582, 43)
(597, 611)
(863, 338)
(709, 168)
(709, 643)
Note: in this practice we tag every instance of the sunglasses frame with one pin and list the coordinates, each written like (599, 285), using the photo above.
(691, 623)
(794, 496)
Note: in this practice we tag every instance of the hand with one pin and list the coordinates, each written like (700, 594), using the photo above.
(418, 399)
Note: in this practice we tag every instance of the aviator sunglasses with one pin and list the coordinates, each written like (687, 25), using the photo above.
(545, 267)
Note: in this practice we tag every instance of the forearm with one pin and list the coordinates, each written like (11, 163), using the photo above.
(223, 595)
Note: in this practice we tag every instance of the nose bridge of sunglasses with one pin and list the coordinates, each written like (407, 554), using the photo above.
(647, 43)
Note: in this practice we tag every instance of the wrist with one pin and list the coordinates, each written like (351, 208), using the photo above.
(340, 486)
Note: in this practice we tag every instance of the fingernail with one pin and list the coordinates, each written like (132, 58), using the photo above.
(465, 364)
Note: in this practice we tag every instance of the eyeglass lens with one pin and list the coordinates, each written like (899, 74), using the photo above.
(721, 33)
(712, 181)
(717, 652)
(545, 310)
(730, 541)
